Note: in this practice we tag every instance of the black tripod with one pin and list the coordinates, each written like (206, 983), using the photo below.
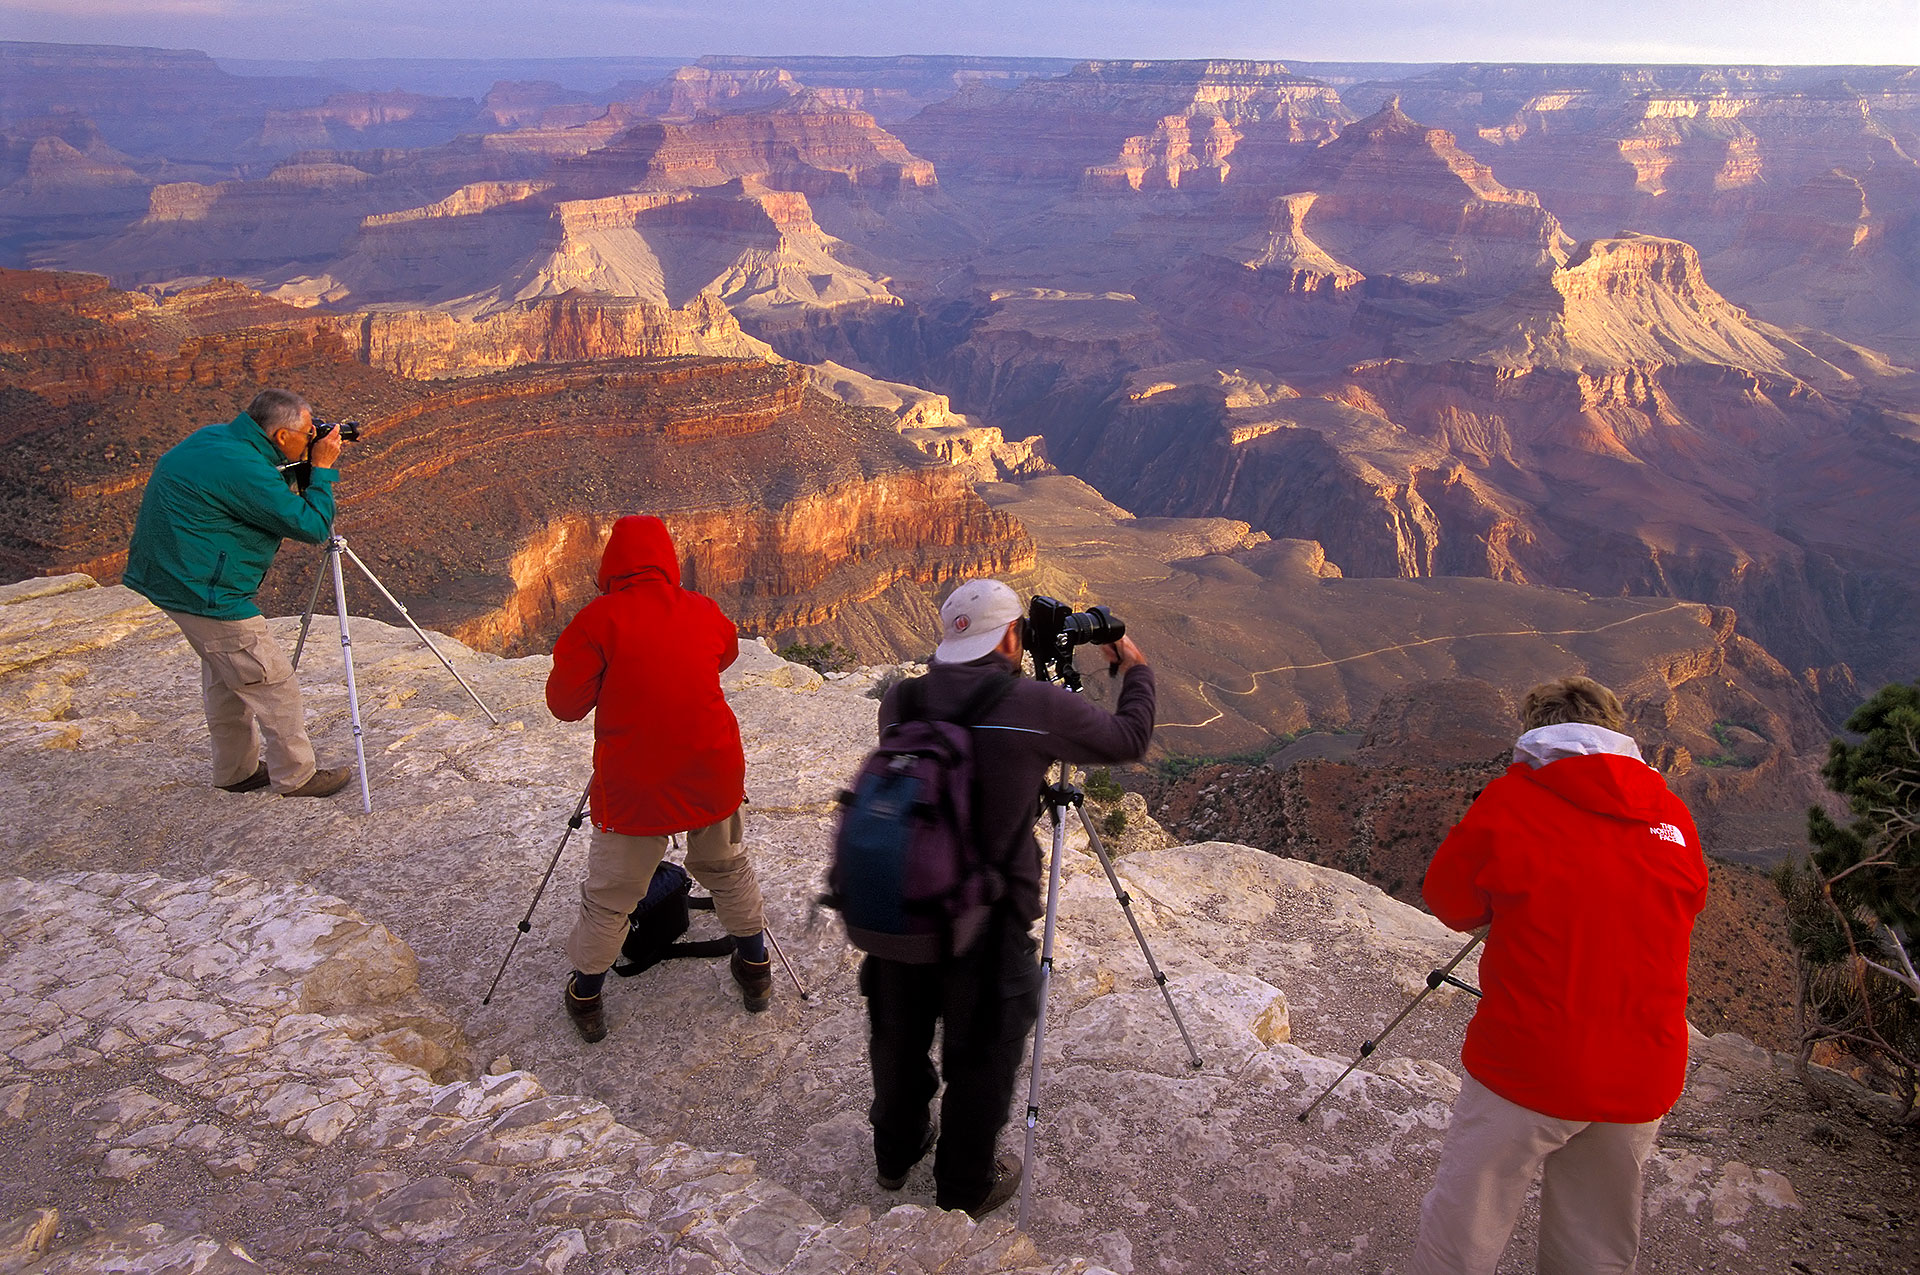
(335, 549)
(1057, 797)
(1434, 978)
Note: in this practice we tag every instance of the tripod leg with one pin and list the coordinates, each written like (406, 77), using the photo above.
(1126, 906)
(417, 630)
(313, 600)
(353, 695)
(526, 922)
(1040, 1021)
(789, 968)
(1434, 979)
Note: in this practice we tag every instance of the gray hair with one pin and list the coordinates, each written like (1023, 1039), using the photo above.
(277, 409)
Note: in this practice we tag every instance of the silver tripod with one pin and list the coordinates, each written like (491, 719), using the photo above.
(337, 548)
(1058, 796)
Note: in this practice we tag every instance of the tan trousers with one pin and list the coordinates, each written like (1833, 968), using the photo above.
(1589, 1191)
(619, 868)
(248, 687)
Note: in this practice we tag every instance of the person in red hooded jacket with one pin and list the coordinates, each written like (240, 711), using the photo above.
(1589, 874)
(646, 657)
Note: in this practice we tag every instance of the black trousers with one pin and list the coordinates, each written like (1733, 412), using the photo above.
(987, 1000)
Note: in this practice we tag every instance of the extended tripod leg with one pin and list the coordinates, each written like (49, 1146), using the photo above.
(526, 922)
(1040, 1022)
(313, 600)
(1434, 978)
(417, 630)
(353, 695)
(1126, 906)
(789, 968)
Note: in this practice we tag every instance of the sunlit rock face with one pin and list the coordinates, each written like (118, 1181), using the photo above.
(485, 501)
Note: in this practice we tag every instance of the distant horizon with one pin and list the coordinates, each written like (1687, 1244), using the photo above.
(692, 59)
(1867, 33)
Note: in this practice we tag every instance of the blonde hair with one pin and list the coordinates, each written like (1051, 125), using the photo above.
(1573, 699)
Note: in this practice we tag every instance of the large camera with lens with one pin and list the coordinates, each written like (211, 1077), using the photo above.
(349, 430)
(1052, 629)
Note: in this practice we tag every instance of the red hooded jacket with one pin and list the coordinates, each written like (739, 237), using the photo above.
(648, 655)
(1591, 874)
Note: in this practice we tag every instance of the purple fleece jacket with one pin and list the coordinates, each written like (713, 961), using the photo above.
(1037, 724)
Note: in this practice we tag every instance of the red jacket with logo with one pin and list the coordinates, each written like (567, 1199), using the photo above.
(1590, 873)
(648, 655)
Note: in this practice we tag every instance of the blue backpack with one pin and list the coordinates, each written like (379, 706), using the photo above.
(907, 875)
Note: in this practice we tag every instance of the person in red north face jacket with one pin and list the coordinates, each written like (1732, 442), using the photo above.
(1589, 873)
(646, 657)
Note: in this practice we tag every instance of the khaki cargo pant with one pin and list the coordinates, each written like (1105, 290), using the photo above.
(620, 867)
(251, 695)
(1589, 1189)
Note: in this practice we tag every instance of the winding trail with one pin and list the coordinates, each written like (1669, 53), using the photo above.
(1219, 712)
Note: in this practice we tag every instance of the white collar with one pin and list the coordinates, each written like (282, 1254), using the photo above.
(1545, 744)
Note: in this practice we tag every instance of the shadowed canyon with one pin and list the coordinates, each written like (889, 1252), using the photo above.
(1367, 394)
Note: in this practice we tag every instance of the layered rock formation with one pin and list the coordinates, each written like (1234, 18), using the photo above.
(929, 422)
(1260, 640)
(285, 1081)
(1129, 125)
(793, 509)
(176, 103)
(1728, 159)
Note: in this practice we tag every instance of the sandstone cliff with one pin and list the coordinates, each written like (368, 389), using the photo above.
(295, 1049)
(484, 502)
(1129, 125)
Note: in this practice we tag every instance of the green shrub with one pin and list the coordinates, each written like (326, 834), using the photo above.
(1853, 905)
(1100, 786)
(823, 657)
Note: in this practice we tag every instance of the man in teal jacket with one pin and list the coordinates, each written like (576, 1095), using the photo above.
(213, 516)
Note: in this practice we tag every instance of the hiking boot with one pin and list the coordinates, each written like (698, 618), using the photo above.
(1006, 1184)
(252, 783)
(585, 1011)
(326, 781)
(894, 1181)
(756, 981)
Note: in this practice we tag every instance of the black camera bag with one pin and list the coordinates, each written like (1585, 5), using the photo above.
(660, 919)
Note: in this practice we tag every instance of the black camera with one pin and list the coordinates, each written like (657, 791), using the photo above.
(1052, 629)
(349, 430)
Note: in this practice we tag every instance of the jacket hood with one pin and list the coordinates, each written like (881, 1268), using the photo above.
(1544, 744)
(638, 549)
(1592, 767)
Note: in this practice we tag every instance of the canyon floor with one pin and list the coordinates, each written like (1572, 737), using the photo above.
(248, 1021)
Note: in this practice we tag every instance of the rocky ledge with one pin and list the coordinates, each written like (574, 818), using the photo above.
(249, 1030)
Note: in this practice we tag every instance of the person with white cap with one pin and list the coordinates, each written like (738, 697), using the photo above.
(987, 995)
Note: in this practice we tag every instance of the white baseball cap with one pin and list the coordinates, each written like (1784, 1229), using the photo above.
(973, 619)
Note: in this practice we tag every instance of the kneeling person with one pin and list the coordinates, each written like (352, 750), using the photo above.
(646, 657)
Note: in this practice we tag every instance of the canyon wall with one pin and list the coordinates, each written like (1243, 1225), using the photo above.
(481, 502)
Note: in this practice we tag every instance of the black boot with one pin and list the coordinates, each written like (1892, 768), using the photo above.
(586, 1013)
(756, 981)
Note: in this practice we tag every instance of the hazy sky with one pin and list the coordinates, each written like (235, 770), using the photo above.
(1843, 31)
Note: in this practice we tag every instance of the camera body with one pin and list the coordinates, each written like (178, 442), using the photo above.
(1052, 629)
(349, 430)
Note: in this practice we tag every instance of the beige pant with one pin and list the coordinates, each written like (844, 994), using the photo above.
(1589, 1191)
(619, 868)
(250, 693)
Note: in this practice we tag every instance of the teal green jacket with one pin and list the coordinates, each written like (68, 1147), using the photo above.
(214, 514)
